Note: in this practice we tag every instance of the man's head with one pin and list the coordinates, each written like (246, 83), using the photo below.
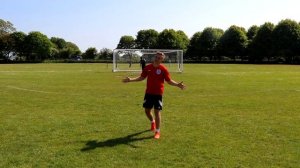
(159, 57)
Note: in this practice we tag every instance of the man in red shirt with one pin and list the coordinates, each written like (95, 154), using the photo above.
(156, 74)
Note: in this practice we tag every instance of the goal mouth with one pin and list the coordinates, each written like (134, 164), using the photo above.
(129, 60)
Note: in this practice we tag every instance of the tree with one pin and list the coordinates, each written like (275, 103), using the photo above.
(59, 42)
(286, 39)
(167, 39)
(6, 27)
(70, 51)
(252, 31)
(209, 40)
(105, 54)
(126, 42)
(183, 40)
(19, 44)
(64, 49)
(234, 42)
(38, 46)
(171, 39)
(6, 40)
(261, 45)
(147, 39)
(6, 47)
(193, 50)
(90, 53)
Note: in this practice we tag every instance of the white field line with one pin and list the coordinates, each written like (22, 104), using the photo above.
(244, 94)
(31, 90)
(36, 91)
(88, 70)
(29, 71)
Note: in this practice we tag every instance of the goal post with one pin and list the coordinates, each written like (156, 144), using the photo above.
(129, 59)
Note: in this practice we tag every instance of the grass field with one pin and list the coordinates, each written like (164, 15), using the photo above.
(81, 115)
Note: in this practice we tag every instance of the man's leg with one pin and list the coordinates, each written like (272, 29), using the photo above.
(150, 117)
(157, 118)
(148, 114)
(157, 121)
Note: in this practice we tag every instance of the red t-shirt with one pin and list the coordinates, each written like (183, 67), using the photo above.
(155, 78)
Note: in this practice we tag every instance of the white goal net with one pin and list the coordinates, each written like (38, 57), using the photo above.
(130, 59)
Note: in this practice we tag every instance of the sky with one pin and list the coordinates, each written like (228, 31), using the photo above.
(101, 23)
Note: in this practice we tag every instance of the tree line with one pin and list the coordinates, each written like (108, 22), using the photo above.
(259, 44)
(37, 47)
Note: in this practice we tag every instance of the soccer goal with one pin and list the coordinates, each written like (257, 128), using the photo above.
(129, 59)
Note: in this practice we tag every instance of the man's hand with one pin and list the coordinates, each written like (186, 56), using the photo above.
(126, 80)
(181, 85)
(174, 83)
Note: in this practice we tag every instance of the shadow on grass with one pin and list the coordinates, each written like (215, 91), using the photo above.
(127, 140)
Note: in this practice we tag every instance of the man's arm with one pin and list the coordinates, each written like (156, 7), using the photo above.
(137, 79)
(174, 83)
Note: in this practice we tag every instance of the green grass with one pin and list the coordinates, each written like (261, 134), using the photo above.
(81, 115)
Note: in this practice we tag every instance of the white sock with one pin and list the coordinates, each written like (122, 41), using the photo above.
(153, 121)
(157, 130)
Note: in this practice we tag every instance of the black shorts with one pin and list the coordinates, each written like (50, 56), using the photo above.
(151, 101)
